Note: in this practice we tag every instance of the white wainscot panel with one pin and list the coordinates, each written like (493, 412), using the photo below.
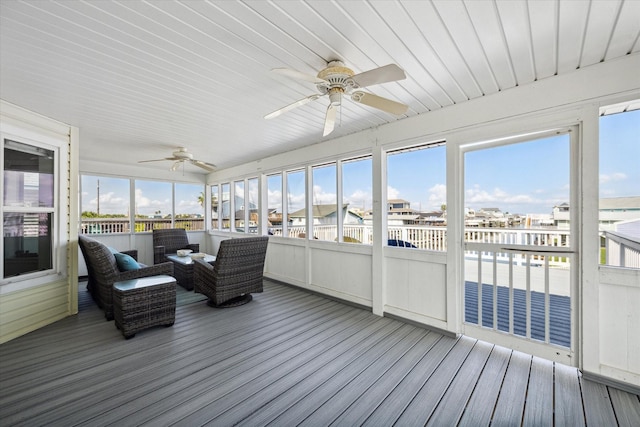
(286, 261)
(416, 288)
(342, 274)
(619, 324)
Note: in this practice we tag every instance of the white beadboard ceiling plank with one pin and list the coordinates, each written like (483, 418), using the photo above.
(627, 30)
(155, 45)
(418, 28)
(514, 19)
(544, 36)
(102, 88)
(484, 17)
(429, 20)
(602, 19)
(571, 28)
(294, 37)
(97, 54)
(194, 39)
(458, 23)
(252, 41)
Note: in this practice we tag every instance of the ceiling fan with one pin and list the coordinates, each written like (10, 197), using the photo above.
(337, 80)
(181, 156)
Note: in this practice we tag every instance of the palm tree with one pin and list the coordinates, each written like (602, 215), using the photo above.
(214, 201)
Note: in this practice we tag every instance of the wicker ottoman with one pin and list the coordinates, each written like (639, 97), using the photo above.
(142, 303)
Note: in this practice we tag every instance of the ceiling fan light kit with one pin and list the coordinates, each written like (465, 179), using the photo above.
(336, 80)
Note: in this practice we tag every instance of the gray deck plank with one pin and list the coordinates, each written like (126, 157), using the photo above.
(569, 410)
(101, 378)
(207, 406)
(626, 407)
(479, 409)
(425, 401)
(395, 403)
(538, 410)
(288, 355)
(510, 404)
(102, 374)
(365, 405)
(452, 404)
(355, 379)
(196, 376)
(598, 408)
(319, 380)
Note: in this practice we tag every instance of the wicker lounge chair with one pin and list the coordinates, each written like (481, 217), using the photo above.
(235, 274)
(169, 241)
(103, 272)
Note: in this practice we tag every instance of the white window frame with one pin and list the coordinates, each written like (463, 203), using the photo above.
(58, 224)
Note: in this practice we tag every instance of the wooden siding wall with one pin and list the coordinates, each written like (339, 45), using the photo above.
(27, 305)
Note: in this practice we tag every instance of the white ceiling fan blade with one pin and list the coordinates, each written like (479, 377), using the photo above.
(330, 119)
(379, 102)
(289, 107)
(204, 165)
(298, 75)
(157, 160)
(388, 73)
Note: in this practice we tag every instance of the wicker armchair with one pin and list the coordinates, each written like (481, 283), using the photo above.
(237, 271)
(169, 241)
(91, 280)
(103, 272)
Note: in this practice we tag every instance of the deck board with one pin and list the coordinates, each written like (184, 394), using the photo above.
(569, 410)
(479, 408)
(286, 358)
(510, 404)
(627, 408)
(454, 401)
(539, 407)
(597, 404)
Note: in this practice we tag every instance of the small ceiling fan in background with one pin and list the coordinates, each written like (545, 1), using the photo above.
(181, 156)
(337, 80)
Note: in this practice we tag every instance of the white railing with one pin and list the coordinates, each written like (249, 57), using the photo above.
(121, 225)
(543, 238)
(622, 250)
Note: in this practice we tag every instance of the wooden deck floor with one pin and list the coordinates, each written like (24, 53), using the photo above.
(287, 358)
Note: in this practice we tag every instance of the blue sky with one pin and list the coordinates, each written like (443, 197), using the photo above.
(528, 177)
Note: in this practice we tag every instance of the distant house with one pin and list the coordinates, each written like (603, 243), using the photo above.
(485, 217)
(612, 211)
(324, 215)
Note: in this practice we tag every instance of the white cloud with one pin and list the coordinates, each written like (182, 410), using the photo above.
(392, 193)
(320, 197)
(617, 176)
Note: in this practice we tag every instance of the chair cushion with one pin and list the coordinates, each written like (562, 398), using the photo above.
(126, 262)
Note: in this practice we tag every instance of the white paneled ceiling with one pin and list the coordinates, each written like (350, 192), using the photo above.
(140, 78)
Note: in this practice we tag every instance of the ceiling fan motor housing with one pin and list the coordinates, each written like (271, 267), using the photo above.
(338, 80)
(182, 154)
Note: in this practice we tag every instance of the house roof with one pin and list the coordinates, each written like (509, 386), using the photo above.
(142, 78)
(620, 203)
(320, 211)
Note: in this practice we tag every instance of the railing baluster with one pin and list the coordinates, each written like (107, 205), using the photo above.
(547, 301)
(528, 296)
